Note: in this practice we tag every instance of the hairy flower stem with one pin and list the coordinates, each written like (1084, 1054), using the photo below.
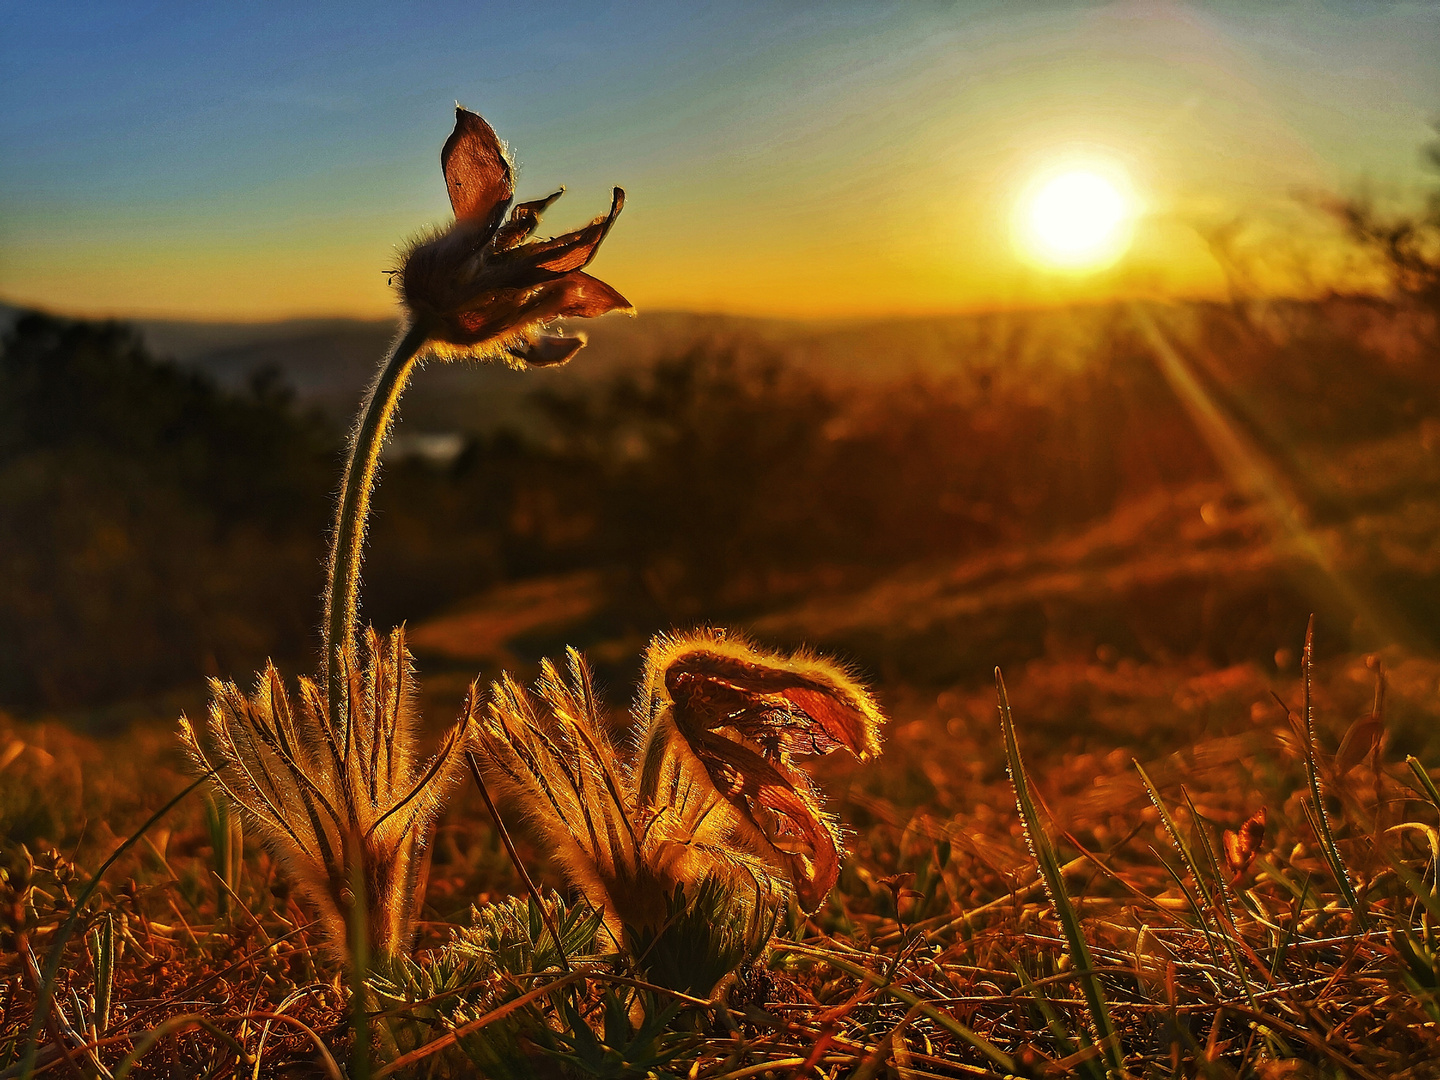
(348, 541)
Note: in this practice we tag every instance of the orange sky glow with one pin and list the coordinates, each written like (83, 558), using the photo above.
(836, 164)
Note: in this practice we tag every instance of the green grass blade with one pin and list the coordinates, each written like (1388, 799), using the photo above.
(101, 942)
(1428, 896)
(1196, 909)
(1211, 862)
(1320, 820)
(1315, 815)
(1058, 1031)
(1424, 777)
(1049, 863)
(1227, 928)
(1212, 904)
(1175, 838)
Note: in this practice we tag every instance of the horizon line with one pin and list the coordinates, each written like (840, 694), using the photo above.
(859, 319)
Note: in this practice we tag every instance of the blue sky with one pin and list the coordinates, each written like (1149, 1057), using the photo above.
(255, 160)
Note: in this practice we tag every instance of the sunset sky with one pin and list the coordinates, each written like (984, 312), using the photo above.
(259, 161)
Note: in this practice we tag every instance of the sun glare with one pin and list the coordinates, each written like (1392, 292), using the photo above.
(1075, 219)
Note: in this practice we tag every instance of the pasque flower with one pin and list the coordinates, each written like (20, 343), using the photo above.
(714, 787)
(336, 781)
(479, 287)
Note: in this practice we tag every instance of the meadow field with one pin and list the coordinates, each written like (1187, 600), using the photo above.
(1194, 842)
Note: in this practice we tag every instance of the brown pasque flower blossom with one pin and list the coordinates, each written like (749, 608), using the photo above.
(714, 787)
(747, 716)
(478, 287)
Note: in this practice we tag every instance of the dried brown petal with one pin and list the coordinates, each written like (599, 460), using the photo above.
(547, 350)
(802, 704)
(505, 311)
(576, 296)
(573, 251)
(1242, 846)
(756, 787)
(477, 170)
(524, 220)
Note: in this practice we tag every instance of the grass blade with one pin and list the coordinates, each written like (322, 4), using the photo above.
(948, 1022)
(1424, 777)
(101, 942)
(1049, 864)
(1174, 832)
(1222, 900)
(1318, 818)
(67, 929)
(1057, 1026)
(1212, 900)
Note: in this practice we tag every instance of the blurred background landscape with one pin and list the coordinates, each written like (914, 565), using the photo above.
(1105, 333)
(1112, 483)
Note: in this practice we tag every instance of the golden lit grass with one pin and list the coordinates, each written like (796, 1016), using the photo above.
(939, 930)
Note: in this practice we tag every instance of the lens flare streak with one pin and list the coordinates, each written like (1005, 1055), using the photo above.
(1247, 467)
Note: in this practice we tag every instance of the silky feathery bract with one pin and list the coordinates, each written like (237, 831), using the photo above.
(328, 802)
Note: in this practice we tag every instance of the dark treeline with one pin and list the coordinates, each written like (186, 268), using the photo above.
(154, 528)
(150, 525)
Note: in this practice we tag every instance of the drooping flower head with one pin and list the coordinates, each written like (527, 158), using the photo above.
(480, 288)
(748, 716)
(715, 787)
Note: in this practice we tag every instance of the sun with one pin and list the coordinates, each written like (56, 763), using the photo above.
(1077, 218)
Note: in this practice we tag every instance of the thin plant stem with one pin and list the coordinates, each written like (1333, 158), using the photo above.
(515, 859)
(348, 540)
(359, 918)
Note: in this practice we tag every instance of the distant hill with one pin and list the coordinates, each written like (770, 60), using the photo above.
(328, 362)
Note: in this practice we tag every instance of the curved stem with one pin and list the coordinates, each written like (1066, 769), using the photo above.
(347, 543)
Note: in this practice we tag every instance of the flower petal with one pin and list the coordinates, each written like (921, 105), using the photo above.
(505, 312)
(575, 296)
(547, 350)
(758, 789)
(524, 219)
(802, 705)
(573, 251)
(477, 170)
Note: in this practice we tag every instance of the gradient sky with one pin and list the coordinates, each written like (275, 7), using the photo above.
(250, 161)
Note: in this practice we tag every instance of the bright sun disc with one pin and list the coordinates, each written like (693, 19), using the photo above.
(1077, 220)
